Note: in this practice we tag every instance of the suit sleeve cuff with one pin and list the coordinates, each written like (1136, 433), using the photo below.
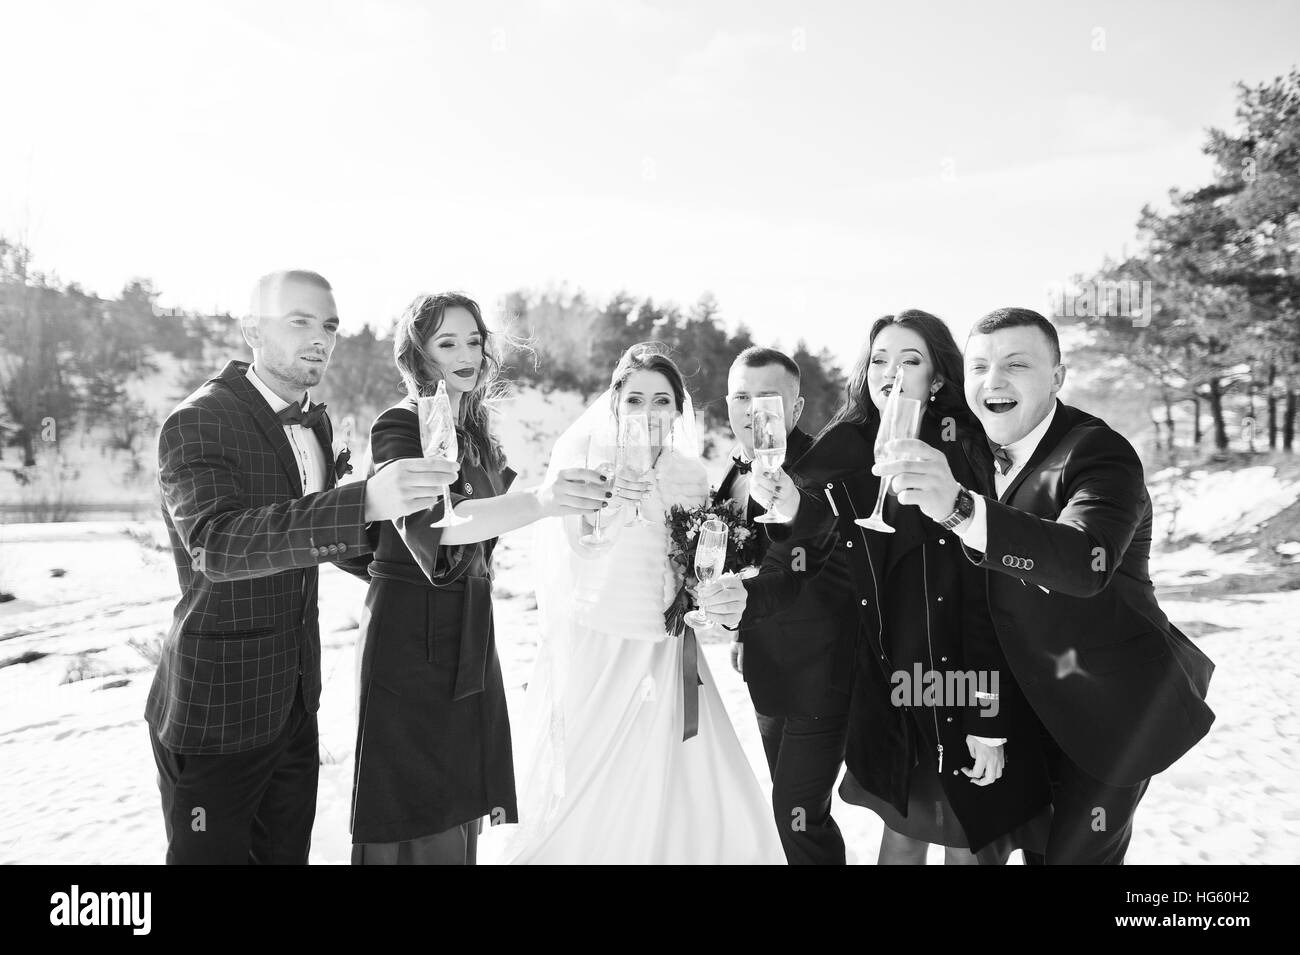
(989, 740)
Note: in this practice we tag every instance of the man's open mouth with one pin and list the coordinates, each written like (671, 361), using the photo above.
(1000, 405)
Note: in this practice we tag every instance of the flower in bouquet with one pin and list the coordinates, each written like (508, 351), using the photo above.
(684, 525)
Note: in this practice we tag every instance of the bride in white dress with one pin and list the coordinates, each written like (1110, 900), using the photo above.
(604, 775)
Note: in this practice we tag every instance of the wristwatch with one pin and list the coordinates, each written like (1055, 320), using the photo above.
(962, 508)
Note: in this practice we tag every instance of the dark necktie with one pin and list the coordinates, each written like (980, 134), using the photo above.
(742, 466)
(1001, 457)
(294, 414)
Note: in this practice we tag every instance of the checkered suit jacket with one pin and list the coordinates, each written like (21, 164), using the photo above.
(246, 544)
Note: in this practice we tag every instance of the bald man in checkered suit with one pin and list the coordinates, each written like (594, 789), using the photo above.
(252, 505)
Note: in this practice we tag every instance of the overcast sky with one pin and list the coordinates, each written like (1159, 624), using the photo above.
(813, 165)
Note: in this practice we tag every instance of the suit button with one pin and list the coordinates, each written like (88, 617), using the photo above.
(942, 541)
(864, 603)
(950, 719)
(940, 600)
(315, 551)
(943, 659)
(848, 543)
(954, 772)
(829, 486)
(342, 547)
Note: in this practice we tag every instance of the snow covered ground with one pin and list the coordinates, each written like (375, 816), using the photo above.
(92, 599)
(79, 780)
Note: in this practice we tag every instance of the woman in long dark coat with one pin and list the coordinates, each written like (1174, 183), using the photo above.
(937, 749)
(433, 754)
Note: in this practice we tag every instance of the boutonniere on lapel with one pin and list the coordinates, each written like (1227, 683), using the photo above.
(343, 456)
(343, 463)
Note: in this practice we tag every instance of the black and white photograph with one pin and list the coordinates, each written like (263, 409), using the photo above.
(560, 432)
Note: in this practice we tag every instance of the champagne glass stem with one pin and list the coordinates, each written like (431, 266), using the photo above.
(878, 514)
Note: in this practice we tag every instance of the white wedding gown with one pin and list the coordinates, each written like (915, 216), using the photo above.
(631, 790)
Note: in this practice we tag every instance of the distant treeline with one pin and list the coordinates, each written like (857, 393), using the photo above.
(573, 343)
(71, 359)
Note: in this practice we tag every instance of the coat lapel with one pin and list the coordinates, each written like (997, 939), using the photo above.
(324, 432)
(1061, 424)
(235, 377)
(724, 489)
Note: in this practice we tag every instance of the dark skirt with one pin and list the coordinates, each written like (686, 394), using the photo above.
(426, 761)
(930, 816)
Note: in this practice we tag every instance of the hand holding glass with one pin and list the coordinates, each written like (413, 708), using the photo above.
(601, 460)
(767, 424)
(438, 440)
(710, 559)
(900, 418)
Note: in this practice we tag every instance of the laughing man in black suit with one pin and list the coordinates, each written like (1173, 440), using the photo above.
(1118, 690)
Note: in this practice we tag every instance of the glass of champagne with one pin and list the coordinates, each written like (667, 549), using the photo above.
(767, 417)
(900, 418)
(600, 458)
(438, 440)
(635, 454)
(710, 559)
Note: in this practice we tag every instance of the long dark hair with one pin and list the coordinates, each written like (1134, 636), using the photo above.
(420, 373)
(647, 356)
(950, 402)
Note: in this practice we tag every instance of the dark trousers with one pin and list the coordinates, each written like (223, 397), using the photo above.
(1092, 822)
(255, 807)
(804, 755)
(455, 846)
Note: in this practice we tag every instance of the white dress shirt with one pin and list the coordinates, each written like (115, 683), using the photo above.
(974, 531)
(303, 441)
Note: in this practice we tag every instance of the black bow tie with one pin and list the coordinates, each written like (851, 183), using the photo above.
(742, 466)
(1001, 457)
(293, 414)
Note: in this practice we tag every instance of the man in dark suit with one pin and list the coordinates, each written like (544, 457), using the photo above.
(789, 645)
(248, 480)
(1118, 691)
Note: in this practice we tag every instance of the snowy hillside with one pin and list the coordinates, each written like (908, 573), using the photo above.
(92, 600)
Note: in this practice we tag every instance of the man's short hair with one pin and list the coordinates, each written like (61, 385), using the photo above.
(757, 357)
(1001, 318)
(268, 284)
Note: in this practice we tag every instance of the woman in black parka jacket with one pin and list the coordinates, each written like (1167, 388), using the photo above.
(932, 697)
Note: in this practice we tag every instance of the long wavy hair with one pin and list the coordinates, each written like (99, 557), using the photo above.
(950, 402)
(420, 373)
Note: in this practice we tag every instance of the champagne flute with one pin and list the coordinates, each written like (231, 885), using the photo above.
(901, 418)
(438, 440)
(634, 454)
(600, 458)
(710, 559)
(767, 417)
(661, 433)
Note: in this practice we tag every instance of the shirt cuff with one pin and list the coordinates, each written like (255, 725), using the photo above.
(974, 531)
(990, 741)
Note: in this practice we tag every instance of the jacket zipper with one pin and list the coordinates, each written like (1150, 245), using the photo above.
(875, 584)
(925, 584)
(880, 620)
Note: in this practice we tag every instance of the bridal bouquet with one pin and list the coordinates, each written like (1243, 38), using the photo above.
(683, 535)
